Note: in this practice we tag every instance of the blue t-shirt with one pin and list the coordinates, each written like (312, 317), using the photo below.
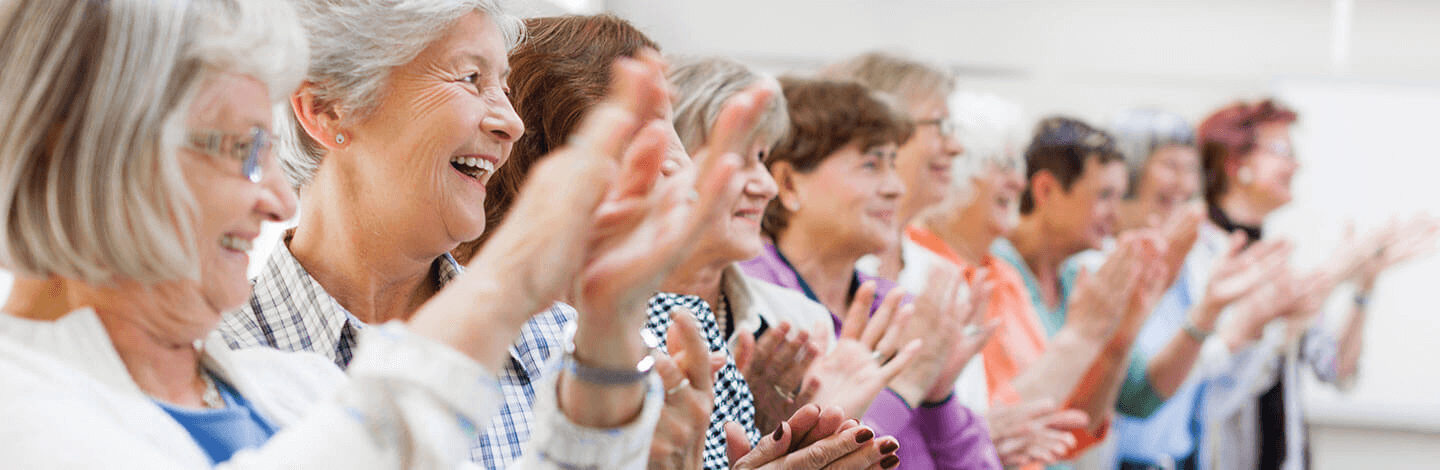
(225, 431)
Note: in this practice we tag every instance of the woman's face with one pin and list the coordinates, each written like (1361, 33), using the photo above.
(230, 208)
(1170, 179)
(1271, 167)
(736, 236)
(923, 163)
(997, 193)
(850, 198)
(422, 159)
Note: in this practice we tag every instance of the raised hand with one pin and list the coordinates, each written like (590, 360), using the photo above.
(1100, 300)
(776, 370)
(686, 374)
(1033, 432)
(851, 374)
(846, 446)
(943, 311)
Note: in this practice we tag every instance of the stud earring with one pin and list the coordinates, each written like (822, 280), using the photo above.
(1244, 175)
(340, 138)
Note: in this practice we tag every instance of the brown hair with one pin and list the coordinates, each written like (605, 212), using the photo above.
(559, 70)
(826, 116)
(1062, 146)
(1229, 135)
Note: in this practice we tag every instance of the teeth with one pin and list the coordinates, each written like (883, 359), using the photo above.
(235, 243)
(485, 167)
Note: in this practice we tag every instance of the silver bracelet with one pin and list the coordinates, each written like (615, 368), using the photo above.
(1195, 332)
(602, 375)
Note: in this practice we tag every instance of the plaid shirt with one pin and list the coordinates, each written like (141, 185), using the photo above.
(733, 401)
(290, 311)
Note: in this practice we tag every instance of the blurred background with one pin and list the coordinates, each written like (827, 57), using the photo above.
(1364, 76)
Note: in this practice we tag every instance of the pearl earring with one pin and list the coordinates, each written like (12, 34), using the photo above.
(339, 138)
(1244, 175)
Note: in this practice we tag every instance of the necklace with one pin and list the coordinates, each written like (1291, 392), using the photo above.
(722, 315)
(211, 397)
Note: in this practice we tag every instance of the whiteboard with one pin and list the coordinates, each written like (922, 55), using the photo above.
(1369, 152)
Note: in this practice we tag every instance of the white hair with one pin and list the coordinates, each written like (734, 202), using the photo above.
(90, 187)
(701, 87)
(992, 130)
(354, 45)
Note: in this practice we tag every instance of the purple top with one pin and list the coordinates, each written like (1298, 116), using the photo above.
(941, 436)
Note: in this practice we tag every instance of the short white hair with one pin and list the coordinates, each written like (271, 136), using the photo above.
(354, 45)
(90, 187)
(702, 85)
(992, 129)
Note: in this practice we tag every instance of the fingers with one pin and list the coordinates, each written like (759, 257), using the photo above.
(873, 331)
(893, 334)
(832, 447)
(826, 423)
(640, 166)
(879, 453)
(688, 347)
(897, 364)
(737, 121)
(859, 312)
(744, 351)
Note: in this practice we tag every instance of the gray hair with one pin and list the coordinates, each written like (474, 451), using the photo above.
(355, 44)
(993, 130)
(1140, 132)
(90, 186)
(906, 79)
(702, 85)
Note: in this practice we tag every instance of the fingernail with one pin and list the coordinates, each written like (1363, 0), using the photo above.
(889, 462)
(864, 436)
(779, 433)
(888, 447)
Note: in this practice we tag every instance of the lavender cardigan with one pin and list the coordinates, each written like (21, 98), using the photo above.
(944, 436)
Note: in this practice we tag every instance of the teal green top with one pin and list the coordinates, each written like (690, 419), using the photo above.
(1137, 396)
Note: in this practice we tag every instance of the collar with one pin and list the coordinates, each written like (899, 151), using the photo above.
(739, 290)
(805, 286)
(1217, 215)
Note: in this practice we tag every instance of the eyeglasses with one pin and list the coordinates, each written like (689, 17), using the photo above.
(1279, 148)
(247, 148)
(946, 126)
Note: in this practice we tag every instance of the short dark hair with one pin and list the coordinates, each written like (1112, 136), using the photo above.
(825, 116)
(559, 70)
(1062, 146)
(1229, 134)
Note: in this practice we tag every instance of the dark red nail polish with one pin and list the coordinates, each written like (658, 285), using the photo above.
(779, 433)
(889, 461)
(888, 447)
(864, 436)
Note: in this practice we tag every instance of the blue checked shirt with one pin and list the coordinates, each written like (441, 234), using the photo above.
(290, 311)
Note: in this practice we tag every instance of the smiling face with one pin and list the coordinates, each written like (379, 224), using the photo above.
(1170, 178)
(1271, 167)
(230, 208)
(421, 160)
(923, 163)
(735, 235)
(996, 195)
(1086, 214)
(850, 198)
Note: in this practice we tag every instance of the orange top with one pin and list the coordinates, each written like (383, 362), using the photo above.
(1018, 341)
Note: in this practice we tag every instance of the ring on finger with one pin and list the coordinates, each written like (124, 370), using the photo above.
(880, 357)
(788, 396)
(684, 382)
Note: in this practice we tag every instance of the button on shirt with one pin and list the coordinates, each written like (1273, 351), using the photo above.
(289, 310)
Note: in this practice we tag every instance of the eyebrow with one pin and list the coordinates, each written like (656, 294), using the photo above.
(475, 57)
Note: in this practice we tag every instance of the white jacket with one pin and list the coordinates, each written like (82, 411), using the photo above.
(67, 401)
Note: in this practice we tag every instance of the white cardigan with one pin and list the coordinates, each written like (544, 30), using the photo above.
(67, 401)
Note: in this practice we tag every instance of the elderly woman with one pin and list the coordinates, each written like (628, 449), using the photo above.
(414, 103)
(150, 260)
(923, 162)
(836, 202)
(1164, 166)
(1248, 162)
(781, 373)
(556, 79)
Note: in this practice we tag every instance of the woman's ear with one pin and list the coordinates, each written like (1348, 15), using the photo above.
(1043, 187)
(320, 122)
(789, 194)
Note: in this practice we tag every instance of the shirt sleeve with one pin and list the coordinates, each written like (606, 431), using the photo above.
(957, 437)
(888, 414)
(560, 443)
(1137, 395)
